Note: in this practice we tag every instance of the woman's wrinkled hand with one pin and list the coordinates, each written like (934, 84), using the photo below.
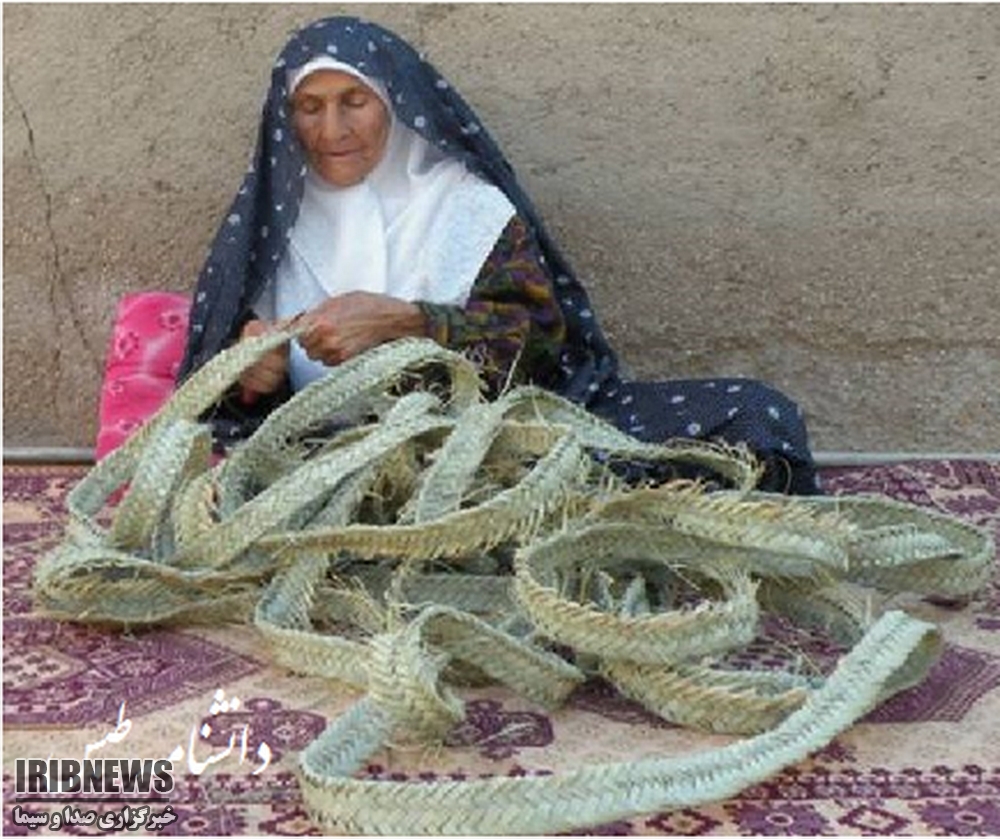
(347, 325)
(268, 374)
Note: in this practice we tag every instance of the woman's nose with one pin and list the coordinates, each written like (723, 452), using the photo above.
(333, 127)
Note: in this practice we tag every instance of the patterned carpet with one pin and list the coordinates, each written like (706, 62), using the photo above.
(925, 763)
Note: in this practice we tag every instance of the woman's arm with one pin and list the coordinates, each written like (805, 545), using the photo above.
(512, 325)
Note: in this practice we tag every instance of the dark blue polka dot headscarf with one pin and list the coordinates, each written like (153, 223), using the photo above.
(254, 234)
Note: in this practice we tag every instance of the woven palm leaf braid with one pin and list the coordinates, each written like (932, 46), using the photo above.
(898, 547)
(190, 401)
(710, 627)
(380, 556)
(505, 805)
(844, 611)
(734, 463)
(708, 699)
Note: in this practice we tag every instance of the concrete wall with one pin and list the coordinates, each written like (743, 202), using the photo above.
(805, 194)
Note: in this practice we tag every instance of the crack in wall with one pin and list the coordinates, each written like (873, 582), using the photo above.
(57, 278)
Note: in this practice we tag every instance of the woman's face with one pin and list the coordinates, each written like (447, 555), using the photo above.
(342, 124)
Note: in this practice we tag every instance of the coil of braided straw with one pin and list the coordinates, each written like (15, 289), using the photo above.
(399, 535)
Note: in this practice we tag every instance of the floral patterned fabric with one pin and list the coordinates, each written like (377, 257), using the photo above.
(143, 357)
(512, 325)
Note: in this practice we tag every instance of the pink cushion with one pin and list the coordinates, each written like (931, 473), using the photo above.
(145, 352)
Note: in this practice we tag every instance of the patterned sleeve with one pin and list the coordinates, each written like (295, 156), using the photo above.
(511, 326)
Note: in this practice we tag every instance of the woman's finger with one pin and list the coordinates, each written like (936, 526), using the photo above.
(257, 327)
(309, 336)
(261, 381)
(318, 340)
(324, 352)
(275, 362)
(268, 373)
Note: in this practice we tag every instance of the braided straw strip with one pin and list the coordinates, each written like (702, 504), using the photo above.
(504, 805)
(735, 463)
(268, 510)
(843, 611)
(900, 547)
(514, 513)
(97, 583)
(707, 629)
(534, 673)
(355, 380)
(403, 670)
(194, 512)
(282, 616)
(403, 677)
(630, 648)
(737, 520)
(478, 591)
(466, 592)
(711, 700)
(272, 508)
(457, 461)
(170, 460)
(190, 400)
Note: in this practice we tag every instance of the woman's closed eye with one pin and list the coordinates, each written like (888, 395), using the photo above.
(356, 99)
(307, 105)
(311, 105)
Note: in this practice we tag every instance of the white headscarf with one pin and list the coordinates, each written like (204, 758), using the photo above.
(419, 227)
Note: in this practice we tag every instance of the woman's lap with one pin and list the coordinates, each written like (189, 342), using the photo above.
(736, 411)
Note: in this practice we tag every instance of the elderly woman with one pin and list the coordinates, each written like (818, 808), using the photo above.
(377, 206)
